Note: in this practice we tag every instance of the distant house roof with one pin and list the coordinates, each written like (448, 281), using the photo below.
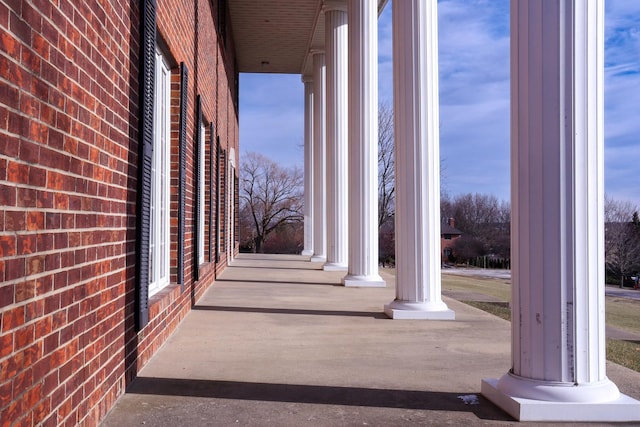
(447, 229)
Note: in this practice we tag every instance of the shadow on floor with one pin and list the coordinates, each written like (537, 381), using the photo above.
(319, 395)
(280, 267)
(243, 256)
(268, 310)
(274, 280)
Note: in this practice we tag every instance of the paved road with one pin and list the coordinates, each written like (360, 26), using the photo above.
(610, 291)
(479, 272)
(614, 291)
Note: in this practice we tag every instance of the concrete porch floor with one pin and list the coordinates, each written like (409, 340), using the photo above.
(278, 342)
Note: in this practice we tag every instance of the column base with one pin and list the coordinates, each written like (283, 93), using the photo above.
(335, 266)
(318, 258)
(572, 403)
(307, 252)
(358, 281)
(407, 310)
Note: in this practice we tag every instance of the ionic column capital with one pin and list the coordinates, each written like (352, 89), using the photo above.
(334, 5)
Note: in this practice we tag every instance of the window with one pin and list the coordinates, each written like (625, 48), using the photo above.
(159, 245)
(201, 192)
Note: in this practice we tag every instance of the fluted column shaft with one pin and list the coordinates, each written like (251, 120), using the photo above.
(308, 165)
(319, 171)
(557, 194)
(557, 199)
(363, 144)
(335, 18)
(417, 162)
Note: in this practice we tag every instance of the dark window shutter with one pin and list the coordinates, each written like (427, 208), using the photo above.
(198, 174)
(145, 154)
(184, 79)
(223, 201)
(211, 192)
(218, 187)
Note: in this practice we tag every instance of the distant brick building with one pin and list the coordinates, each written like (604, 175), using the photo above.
(118, 134)
(448, 236)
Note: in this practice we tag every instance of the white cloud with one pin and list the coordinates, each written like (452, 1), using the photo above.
(272, 116)
(474, 92)
(474, 98)
(622, 100)
(385, 56)
(474, 95)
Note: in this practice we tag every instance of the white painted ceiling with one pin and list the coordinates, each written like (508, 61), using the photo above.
(273, 36)
(276, 36)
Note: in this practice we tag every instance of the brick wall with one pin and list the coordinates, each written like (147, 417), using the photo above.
(68, 184)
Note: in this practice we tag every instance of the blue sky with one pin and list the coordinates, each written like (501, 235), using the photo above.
(474, 99)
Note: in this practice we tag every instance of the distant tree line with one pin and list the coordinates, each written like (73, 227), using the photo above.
(621, 242)
(485, 223)
(271, 215)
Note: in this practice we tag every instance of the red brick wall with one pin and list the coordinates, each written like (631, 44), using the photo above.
(68, 183)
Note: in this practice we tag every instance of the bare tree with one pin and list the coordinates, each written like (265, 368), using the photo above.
(483, 219)
(622, 238)
(386, 165)
(271, 197)
(386, 183)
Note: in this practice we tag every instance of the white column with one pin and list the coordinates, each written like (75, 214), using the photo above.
(335, 18)
(558, 332)
(417, 161)
(308, 165)
(363, 145)
(319, 184)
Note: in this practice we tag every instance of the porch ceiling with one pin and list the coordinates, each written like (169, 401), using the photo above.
(276, 36)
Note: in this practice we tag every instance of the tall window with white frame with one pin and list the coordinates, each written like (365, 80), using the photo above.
(201, 193)
(159, 245)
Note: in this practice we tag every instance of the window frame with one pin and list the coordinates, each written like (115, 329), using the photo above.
(201, 194)
(159, 233)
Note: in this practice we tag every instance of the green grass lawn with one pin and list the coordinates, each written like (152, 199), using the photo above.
(500, 289)
(621, 313)
(500, 309)
(625, 353)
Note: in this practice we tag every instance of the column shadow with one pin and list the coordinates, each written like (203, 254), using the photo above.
(318, 395)
(283, 282)
(269, 310)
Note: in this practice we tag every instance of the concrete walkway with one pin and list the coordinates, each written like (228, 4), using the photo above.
(278, 342)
